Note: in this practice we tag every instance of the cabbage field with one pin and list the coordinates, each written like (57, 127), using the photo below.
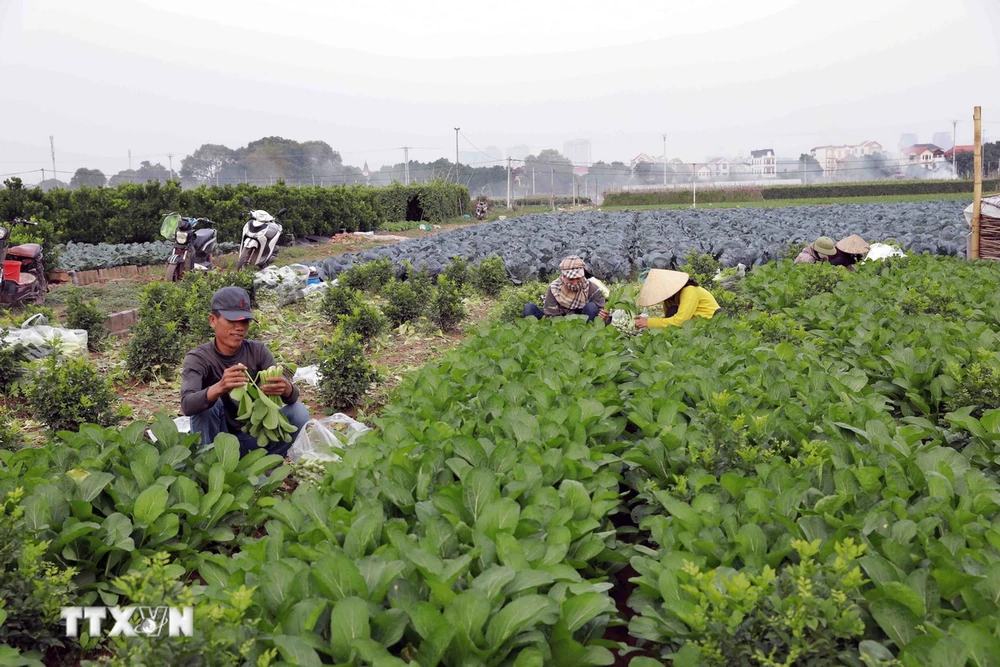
(619, 244)
(811, 482)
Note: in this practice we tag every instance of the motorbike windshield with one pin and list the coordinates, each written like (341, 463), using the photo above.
(169, 226)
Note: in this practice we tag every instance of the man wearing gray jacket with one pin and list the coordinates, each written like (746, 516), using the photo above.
(213, 369)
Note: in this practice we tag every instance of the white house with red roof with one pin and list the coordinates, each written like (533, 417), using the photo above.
(927, 156)
(958, 150)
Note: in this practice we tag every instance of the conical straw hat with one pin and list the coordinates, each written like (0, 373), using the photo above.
(660, 285)
(853, 244)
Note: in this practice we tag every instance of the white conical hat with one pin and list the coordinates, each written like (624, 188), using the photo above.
(853, 245)
(660, 285)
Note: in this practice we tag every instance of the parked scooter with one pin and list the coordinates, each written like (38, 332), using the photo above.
(482, 209)
(193, 248)
(259, 245)
(23, 278)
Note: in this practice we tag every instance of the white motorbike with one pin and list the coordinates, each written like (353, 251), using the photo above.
(259, 245)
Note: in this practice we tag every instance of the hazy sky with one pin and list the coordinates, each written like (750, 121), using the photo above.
(718, 76)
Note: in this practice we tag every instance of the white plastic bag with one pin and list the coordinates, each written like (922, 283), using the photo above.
(325, 439)
(289, 282)
(879, 251)
(40, 338)
(183, 427)
(308, 374)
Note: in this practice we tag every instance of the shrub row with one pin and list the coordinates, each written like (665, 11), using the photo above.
(131, 213)
(712, 195)
(874, 189)
(708, 195)
(540, 201)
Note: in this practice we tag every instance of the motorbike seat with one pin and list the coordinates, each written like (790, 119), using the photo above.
(26, 279)
(26, 250)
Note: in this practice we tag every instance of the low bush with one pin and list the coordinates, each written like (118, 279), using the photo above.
(489, 277)
(32, 590)
(10, 435)
(12, 360)
(405, 302)
(66, 393)
(345, 372)
(369, 277)
(226, 633)
(457, 272)
(338, 301)
(155, 347)
(447, 309)
(87, 315)
(13, 319)
(702, 267)
(366, 320)
(510, 307)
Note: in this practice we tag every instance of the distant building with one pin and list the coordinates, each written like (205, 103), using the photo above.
(578, 151)
(518, 152)
(927, 156)
(719, 167)
(763, 163)
(942, 140)
(830, 157)
(740, 166)
(477, 159)
(951, 152)
(908, 139)
(703, 171)
(787, 165)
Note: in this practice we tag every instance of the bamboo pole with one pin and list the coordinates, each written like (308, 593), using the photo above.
(977, 188)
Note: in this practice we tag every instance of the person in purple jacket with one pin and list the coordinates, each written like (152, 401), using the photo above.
(213, 369)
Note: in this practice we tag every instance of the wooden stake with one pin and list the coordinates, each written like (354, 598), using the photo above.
(977, 188)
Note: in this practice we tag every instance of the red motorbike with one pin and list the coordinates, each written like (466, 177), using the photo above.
(23, 279)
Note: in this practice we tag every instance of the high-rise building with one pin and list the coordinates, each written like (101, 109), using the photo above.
(906, 140)
(578, 151)
(519, 152)
(942, 140)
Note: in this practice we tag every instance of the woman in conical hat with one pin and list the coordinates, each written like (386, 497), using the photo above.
(682, 298)
(850, 250)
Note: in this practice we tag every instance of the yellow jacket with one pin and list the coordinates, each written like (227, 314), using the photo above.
(693, 302)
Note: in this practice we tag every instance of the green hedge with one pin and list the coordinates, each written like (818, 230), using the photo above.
(539, 201)
(711, 195)
(131, 213)
(874, 189)
(708, 195)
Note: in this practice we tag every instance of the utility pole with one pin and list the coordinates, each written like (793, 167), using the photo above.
(664, 159)
(52, 145)
(130, 159)
(170, 156)
(456, 155)
(508, 182)
(552, 181)
(43, 174)
(977, 188)
(406, 165)
(954, 148)
(532, 181)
